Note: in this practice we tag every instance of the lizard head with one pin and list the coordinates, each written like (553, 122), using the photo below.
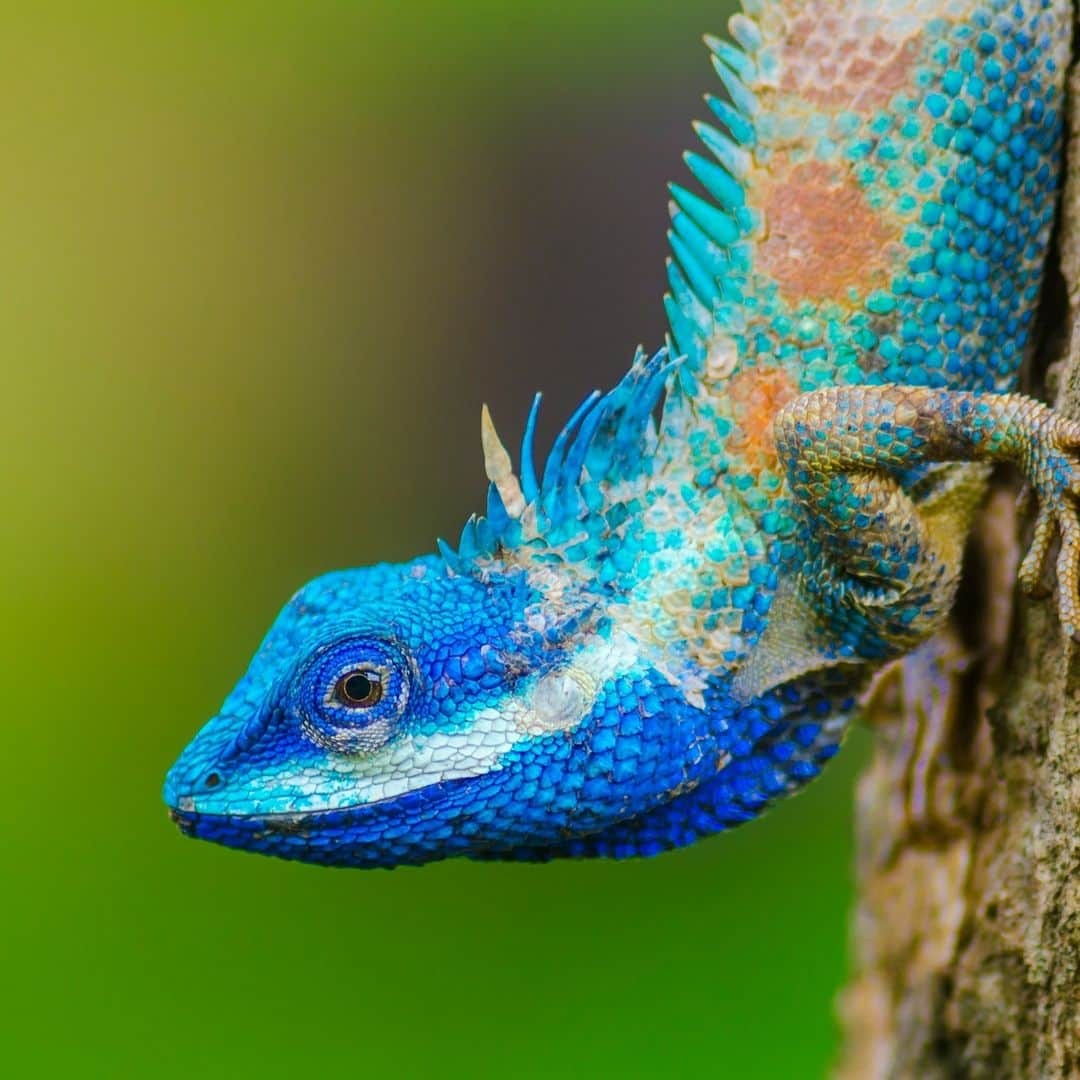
(496, 701)
(399, 714)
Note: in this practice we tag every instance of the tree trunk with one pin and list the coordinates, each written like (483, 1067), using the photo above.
(966, 934)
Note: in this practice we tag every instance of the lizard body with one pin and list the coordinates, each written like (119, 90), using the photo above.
(669, 626)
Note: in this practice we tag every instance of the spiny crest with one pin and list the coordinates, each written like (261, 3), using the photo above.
(576, 506)
(711, 254)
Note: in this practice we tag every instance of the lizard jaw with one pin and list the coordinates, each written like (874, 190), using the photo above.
(353, 836)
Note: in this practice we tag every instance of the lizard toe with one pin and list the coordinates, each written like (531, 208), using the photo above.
(1068, 572)
(1031, 572)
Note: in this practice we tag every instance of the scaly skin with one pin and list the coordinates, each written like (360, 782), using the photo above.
(669, 629)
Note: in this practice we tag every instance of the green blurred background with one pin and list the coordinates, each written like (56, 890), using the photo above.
(260, 264)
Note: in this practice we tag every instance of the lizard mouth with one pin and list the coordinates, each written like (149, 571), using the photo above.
(189, 821)
(341, 837)
(360, 835)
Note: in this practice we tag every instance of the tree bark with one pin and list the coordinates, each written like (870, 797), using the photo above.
(966, 935)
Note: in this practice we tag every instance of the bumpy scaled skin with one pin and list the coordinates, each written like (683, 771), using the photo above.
(669, 627)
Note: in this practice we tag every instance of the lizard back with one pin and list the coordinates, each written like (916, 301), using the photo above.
(876, 206)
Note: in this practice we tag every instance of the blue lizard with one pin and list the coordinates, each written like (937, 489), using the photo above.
(669, 626)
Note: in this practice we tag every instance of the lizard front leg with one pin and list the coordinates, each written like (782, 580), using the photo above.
(883, 534)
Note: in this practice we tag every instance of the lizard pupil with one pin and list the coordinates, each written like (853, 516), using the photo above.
(359, 688)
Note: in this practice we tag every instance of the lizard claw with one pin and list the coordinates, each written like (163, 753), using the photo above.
(1054, 477)
(1068, 575)
(1030, 574)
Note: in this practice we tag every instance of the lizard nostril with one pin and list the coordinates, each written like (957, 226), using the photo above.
(212, 780)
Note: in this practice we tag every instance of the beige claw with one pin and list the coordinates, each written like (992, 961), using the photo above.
(1068, 573)
(1054, 480)
(1030, 574)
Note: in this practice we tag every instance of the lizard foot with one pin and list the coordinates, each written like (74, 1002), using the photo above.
(1052, 465)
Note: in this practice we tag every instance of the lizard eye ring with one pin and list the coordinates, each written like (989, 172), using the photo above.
(351, 696)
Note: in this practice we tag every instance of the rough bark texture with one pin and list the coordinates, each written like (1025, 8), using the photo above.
(967, 931)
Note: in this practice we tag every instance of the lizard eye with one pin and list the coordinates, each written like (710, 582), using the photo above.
(359, 689)
(352, 694)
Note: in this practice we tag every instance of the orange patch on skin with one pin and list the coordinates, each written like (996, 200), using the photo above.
(756, 395)
(822, 237)
(844, 58)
